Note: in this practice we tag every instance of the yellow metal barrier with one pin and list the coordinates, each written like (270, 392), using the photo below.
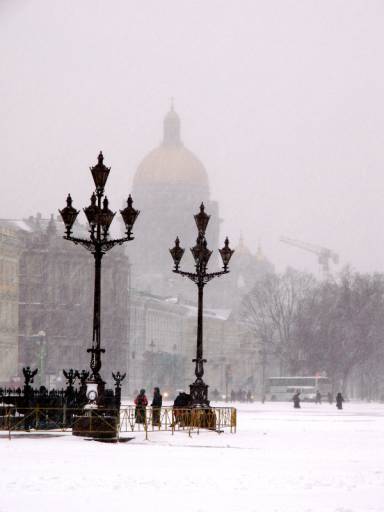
(216, 419)
(102, 421)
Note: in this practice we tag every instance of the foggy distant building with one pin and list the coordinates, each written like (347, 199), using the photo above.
(159, 348)
(9, 298)
(245, 270)
(168, 187)
(163, 344)
(56, 302)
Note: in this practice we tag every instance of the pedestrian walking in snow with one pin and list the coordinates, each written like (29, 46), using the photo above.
(141, 403)
(157, 402)
(296, 400)
(318, 397)
(339, 400)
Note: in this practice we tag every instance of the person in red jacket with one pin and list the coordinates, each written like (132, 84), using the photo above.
(141, 403)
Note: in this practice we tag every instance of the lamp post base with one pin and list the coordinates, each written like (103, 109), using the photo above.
(95, 425)
(199, 393)
(97, 420)
(201, 415)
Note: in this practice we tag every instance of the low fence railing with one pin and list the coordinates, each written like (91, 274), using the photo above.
(175, 419)
(130, 419)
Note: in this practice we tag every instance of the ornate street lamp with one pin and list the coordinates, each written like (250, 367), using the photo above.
(201, 255)
(99, 217)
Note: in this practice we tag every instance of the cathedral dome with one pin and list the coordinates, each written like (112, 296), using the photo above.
(171, 162)
(171, 165)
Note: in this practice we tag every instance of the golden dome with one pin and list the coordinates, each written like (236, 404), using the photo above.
(171, 162)
(171, 165)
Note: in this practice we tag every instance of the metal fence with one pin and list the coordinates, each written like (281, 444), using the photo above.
(173, 419)
(130, 419)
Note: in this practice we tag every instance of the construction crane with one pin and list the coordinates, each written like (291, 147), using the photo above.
(324, 255)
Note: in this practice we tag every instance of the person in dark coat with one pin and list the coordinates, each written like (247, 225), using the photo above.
(296, 400)
(157, 402)
(182, 402)
(141, 403)
(339, 400)
(318, 397)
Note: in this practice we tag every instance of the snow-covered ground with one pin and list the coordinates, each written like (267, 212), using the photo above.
(316, 459)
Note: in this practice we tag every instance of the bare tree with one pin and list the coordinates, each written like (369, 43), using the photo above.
(336, 326)
(340, 326)
(270, 311)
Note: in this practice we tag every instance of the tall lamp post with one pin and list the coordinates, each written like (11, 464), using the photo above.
(99, 217)
(201, 255)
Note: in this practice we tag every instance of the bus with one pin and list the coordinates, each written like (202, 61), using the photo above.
(283, 388)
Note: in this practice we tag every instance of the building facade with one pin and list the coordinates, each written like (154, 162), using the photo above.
(162, 337)
(55, 296)
(157, 343)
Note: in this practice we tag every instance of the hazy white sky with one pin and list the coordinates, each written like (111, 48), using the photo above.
(282, 100)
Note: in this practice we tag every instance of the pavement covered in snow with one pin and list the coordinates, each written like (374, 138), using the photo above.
(316, 459)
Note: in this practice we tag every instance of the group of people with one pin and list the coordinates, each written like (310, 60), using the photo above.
(141, 402)
(182, 401)
(339, 399)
